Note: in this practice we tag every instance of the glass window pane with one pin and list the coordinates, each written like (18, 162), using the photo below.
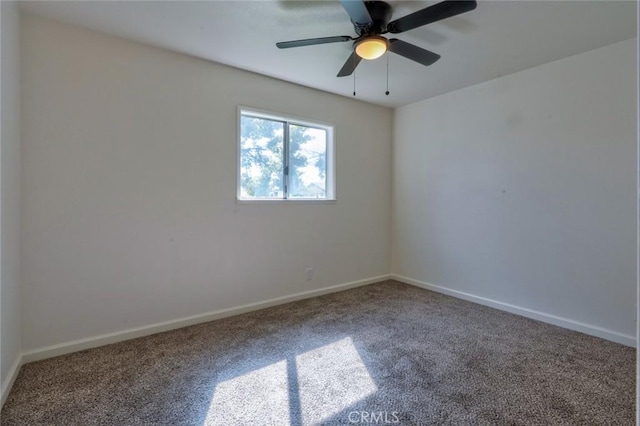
(307, 162)
(261, 158)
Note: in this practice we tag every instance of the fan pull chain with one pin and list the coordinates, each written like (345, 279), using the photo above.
(354, 83)
(354, 75)
(387, 92)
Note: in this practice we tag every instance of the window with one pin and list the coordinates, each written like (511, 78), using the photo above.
(284, 158)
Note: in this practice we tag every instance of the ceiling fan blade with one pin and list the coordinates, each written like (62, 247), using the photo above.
(350, 66)
(312, 41)
(412, 52)
(437, 12)
(357, 11)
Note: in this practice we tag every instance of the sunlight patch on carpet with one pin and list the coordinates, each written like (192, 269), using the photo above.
(258, 397)
(331, 378)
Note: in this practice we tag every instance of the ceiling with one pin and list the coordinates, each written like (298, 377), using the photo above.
(495, 39)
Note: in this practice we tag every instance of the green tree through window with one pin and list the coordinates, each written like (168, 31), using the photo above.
(282, 160)
(261, 157)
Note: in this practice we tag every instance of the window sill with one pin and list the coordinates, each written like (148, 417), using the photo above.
(295, 201)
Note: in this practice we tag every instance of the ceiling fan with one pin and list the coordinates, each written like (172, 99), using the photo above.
(371, 20)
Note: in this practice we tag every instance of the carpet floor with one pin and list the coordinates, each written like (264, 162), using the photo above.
(386, 353)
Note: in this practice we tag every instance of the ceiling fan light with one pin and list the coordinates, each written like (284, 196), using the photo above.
(371, 47)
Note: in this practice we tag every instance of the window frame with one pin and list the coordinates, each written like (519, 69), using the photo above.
(287, 120)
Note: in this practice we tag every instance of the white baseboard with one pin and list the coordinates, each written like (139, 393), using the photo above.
(591, 330)
(119, 336)
(11, 378)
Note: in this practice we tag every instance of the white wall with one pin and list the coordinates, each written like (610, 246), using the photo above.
(129, 158)
(10, 199)
(522, 190)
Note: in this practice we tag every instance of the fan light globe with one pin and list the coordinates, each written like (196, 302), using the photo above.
(371, 47)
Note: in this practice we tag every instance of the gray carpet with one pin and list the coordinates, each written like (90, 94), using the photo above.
(386, 352)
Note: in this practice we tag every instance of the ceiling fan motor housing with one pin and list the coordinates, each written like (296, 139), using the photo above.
(380, 13)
